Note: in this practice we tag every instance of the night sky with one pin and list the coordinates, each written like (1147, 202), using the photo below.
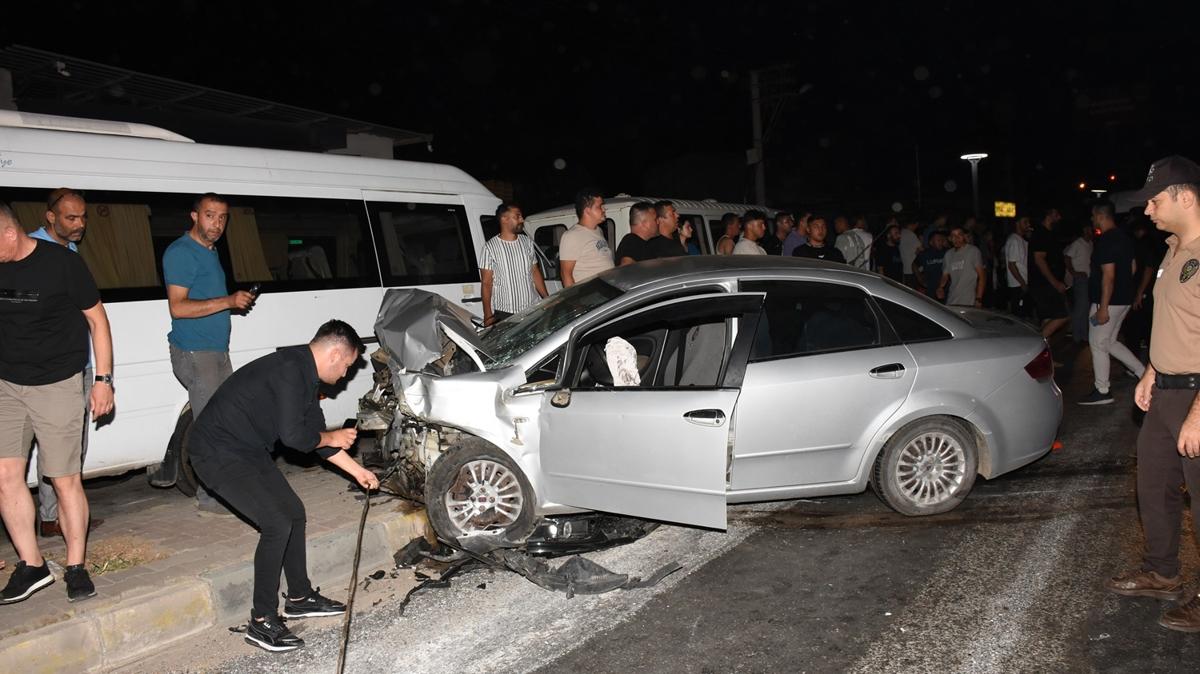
(653, 97)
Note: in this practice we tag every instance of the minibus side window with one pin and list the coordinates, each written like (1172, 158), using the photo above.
(283, 243)
(424, 243)
(300, 244)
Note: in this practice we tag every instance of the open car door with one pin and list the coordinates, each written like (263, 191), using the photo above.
(658, 449)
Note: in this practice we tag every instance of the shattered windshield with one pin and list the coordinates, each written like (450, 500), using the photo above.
(515, 335)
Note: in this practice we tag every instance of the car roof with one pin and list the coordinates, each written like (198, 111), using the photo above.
(641, 274)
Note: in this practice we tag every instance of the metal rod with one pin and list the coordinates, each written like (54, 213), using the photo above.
(362, 524)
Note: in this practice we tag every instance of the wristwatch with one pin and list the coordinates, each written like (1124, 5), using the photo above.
(104, 379)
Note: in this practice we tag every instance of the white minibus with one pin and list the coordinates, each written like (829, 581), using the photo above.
(323, 234)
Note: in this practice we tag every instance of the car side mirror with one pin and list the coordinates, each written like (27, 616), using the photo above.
(562, 398)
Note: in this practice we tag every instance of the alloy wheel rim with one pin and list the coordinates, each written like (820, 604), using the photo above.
(931, 468)
(485, 495)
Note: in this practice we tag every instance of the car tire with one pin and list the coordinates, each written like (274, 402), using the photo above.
(186, 483)
(474, 469)
(926, 468)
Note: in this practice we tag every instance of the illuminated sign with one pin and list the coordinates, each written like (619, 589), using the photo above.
(1006, 209)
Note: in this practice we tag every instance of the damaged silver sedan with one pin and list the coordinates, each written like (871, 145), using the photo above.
(667, 389)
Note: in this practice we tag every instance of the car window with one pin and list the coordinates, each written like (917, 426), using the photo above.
(547, 238)
(808, 317)
(517, 334)
(668, 349)
(932, 306)
(698, 238)
(910, 325)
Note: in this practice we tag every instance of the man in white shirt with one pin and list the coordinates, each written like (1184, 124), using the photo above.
(852, 246)
(1016, 254)
(868, 239)
(962, 271)
(754, 227)
(583, 251)
(510, 278)
(910, 247)
(1079, 262)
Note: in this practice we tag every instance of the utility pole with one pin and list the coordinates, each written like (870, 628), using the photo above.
(773, 87)
(755, 156)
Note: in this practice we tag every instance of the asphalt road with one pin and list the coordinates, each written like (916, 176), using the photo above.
(1008, 582)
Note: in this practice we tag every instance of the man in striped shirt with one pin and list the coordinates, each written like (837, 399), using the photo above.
(509, 272)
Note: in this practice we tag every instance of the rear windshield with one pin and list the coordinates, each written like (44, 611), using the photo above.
(509, 339)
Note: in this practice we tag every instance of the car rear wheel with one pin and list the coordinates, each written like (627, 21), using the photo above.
(476, 495)
(927, 467)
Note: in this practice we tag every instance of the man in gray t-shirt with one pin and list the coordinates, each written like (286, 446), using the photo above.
(962, 271)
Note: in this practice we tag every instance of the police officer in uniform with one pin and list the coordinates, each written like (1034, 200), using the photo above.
(1168, 446)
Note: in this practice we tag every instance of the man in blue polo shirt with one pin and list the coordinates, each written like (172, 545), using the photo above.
(200, 305)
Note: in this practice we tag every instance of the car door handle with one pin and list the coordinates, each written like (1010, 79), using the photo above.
(889, 371)
(705, 417)
(472, 300)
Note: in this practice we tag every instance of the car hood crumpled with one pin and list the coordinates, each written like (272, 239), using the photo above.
(413, 327)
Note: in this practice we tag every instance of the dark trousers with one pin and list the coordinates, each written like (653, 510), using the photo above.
(1161, 474)
(259, 492)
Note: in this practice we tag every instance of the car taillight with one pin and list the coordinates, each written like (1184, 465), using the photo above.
(1041, 367)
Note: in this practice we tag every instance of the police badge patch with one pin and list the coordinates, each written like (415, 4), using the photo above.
(1189, 270)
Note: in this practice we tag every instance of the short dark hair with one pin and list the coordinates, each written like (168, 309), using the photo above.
(1105, 207)
(210, 196)
(504, 207)
(754, 214)
(584, 198)
(728, 218)
(59, 194)
(340, 332)
(660, 208)
(639, 210)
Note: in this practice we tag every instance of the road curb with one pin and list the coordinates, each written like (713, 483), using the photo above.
(140, 623)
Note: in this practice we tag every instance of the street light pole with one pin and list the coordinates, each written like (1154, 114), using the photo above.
(975, 158)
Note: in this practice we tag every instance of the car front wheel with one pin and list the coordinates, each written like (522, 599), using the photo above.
(927, 467)
(477, 496)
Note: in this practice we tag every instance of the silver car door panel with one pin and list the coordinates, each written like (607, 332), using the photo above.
(809, 419)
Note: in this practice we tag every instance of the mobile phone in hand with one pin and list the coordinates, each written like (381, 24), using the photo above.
(255, 289)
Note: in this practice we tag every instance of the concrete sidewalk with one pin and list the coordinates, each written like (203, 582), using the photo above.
(181, 572)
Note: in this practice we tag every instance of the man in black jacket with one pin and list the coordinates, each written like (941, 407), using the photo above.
(275, 398)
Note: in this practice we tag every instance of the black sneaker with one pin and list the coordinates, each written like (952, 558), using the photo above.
(25, 580)
(312, 606)
(1096, 398)
(272, 635)
(79, 584)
